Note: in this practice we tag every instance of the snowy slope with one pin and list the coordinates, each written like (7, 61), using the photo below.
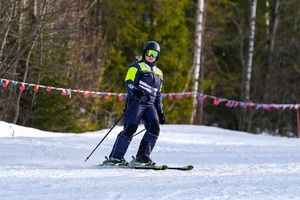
(37, 165)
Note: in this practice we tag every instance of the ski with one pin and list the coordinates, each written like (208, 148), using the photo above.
(155, 167)
(132, 165)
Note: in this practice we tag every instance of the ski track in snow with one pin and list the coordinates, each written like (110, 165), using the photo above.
(37, 165)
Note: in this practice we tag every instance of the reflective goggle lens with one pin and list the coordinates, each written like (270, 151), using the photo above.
(152, 53)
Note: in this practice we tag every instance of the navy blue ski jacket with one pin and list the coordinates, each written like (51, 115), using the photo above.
(147, 78)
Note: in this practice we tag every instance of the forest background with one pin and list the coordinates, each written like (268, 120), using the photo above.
(89, 45)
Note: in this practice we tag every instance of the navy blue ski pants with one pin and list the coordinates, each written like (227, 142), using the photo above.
(134, 113)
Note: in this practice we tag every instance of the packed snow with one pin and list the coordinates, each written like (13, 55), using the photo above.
(39, 165)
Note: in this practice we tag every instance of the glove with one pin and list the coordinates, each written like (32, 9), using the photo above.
(161, 117)
(138, 93)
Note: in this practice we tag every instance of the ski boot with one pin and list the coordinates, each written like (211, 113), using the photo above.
(141, 161)
(113, 161)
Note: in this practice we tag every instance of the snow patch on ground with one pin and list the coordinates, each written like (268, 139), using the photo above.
(35, 164)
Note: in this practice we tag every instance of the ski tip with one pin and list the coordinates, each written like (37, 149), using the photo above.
(189, 167)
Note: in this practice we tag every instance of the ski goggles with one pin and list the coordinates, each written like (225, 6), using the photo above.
(152, 53)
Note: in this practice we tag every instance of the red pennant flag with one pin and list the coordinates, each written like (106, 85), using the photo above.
(63, 92)
(216, 101)
(228, 103)
(49, 89)
(5, 83)
(22, 87)
(188, 95)
(107, 95)
(86, 94)
(120, 96)
(251, 104)
(170, 96)
(178, 96)
(36, 88)
(236, 104)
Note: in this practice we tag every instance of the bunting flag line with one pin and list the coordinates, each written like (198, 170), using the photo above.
(86, 94)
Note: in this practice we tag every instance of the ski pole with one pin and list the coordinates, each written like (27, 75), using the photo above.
(138, 132)
(109, 131)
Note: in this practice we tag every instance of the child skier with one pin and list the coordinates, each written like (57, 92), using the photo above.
(143, 83)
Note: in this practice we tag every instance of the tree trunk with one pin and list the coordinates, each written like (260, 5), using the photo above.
(197, 56)
(248, 70)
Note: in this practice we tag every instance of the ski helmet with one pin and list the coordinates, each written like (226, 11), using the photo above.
(151, 45)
